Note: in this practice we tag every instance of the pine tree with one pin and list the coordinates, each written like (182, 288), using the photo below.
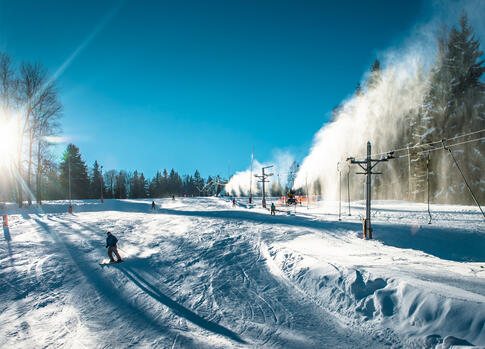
(374, 76)
(142, 187)
(198, 183)
(454, 105)
(96, 182)
(78, 174)
(134, 186)
(468, 104)
(120, 190)
(174, 183)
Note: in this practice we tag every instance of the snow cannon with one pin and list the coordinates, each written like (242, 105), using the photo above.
(5, 220)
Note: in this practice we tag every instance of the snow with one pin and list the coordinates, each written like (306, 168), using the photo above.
(200, 273)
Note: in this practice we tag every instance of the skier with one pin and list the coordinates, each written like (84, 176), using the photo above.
(153, 205)
(273, 209)
(111, 241)
(173, 197)
(234, 202)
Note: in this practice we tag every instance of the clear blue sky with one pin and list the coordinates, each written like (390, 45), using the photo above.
(196, 84)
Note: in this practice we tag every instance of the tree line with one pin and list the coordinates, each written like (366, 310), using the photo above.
(74, 180)
(30, 108)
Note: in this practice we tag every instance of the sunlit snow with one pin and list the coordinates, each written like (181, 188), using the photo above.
(200, 273)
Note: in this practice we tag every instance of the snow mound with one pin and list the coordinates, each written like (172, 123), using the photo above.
(406, 307)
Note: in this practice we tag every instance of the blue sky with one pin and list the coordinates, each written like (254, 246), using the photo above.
(198, 84)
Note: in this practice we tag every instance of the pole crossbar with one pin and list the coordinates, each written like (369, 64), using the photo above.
(263, 179)
(369, 165)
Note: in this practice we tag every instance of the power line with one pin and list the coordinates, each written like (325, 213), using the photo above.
(450, 145)
(431, 143)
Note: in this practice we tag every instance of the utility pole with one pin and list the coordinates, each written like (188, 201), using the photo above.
(348, 187)
(263, 179)
(307, 196)
(218, 183)
(339, 192)
(367, 165)
(409, 175)
(69, 167)
(101, 183)
(427, 184)
(251, 180)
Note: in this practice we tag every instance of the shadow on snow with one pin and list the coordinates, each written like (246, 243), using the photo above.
(114, 296)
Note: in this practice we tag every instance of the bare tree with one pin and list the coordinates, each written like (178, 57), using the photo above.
(34, 90)
(7, 98)
(109, 179)
(7, 83)
(45, 123)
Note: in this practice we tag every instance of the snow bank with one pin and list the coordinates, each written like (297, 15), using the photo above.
(384, 302)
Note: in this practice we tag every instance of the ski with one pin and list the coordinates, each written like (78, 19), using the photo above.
(108, 263)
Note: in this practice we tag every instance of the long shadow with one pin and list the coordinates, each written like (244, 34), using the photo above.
(104, 287)
(8, 239)
(257, 217)
(178, 308)
(6, 233)
(162, 298)
(423, 211)
(445, 243)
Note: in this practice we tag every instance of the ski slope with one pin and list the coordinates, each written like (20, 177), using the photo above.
(200, 273)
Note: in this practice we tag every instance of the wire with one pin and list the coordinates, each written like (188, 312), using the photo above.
(430, 143)
(441, 148)
(451, 145)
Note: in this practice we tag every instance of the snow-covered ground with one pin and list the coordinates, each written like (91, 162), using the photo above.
(200, 273)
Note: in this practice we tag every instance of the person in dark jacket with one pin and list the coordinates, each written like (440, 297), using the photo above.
(153, 205)
(111, 241)
(273, 209)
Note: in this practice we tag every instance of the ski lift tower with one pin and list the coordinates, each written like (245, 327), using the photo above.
(367, 165)
(263, 179)
(219, 183)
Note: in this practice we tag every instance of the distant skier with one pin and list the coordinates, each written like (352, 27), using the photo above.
(173, 197)
(111, 241)
(234, 202)
(153, 205)
(273, 209)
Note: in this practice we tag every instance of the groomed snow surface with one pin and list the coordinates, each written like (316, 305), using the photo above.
(200, 273)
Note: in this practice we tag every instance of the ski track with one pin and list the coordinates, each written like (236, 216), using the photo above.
(188, 282)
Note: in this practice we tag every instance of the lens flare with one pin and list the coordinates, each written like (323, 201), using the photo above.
(8, 142)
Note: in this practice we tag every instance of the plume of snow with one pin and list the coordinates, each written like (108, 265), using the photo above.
(379, 114)
(240, 182)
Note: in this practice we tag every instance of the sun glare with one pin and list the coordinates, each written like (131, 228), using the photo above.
(8, 142)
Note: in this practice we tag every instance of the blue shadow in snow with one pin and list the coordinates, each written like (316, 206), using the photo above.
(6, 234)
(102, 284)
(112, 294)
(445, 243)
(176, 307)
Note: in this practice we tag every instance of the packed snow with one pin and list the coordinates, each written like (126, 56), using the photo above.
(202, 273)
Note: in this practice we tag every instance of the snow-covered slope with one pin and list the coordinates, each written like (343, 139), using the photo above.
(201, 273)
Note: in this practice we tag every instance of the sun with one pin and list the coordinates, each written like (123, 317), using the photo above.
(8, 142)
